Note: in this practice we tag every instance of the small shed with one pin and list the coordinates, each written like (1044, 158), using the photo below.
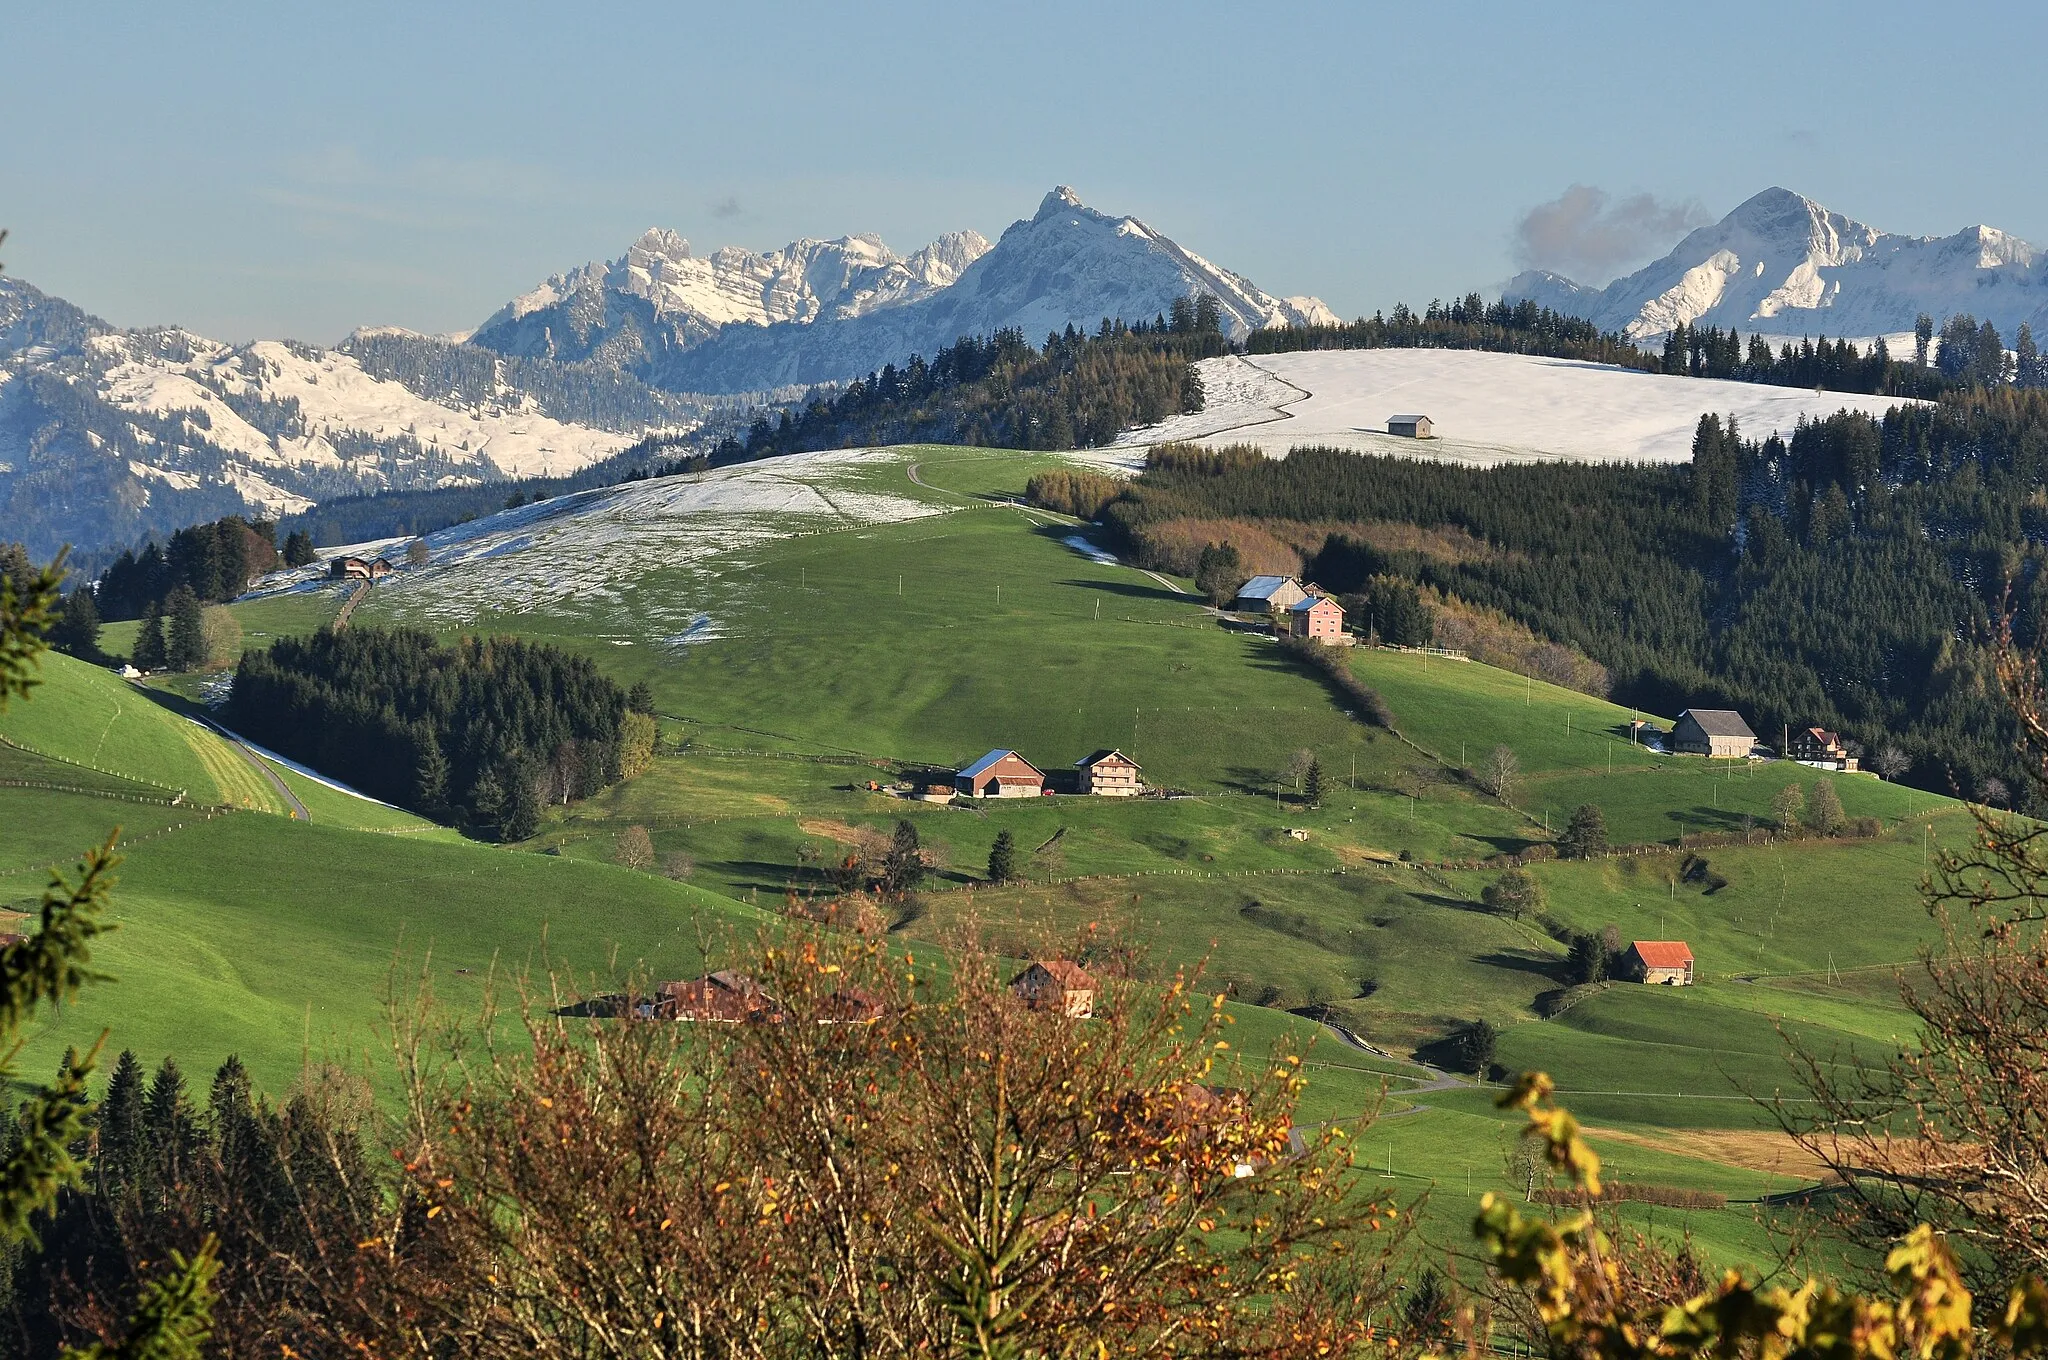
(1001, 774)
(1411, 427)
(1110, 774)
(1660, 963)
(1712, 732)
(1268, 594)
(1318, 617)
(1057, 984)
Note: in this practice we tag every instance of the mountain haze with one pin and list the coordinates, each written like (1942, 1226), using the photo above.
(1782, 264)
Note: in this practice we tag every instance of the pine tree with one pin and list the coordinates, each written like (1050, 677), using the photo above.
(149, 640)
(169, 1133)
(1312, 783)
(430, 777)
(1588, 958)
(77, 630)
(2026, 359)
(185, 647)
(1002, 858)
(298, 549)
(1586, 836)
(119, 1126)
(903, 867)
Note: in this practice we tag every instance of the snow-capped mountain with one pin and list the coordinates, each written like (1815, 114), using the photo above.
(824, 311)
(106, 434)
(658, 297)
(1782, 264)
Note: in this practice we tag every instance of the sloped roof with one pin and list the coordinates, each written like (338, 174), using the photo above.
(1719, 722)
(1662, 953)
(1262, 587)
(1302, 606)
(1066, 972)
(1103, 755)
(1405, 420)
(990, 759)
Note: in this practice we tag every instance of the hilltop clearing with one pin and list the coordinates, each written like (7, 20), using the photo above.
(1487, 408)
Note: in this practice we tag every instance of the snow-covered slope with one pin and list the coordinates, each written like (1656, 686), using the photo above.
(1782, 264)
(1487, 408)
(823, 311)
(591, 555)
(106, 434)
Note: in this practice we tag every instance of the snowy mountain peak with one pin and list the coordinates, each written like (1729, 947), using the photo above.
(1783, 264)
(1058, 201)
(820, 311)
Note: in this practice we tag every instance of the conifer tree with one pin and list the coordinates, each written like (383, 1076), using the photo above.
(903, 866)
(1002, 858)
(77, 629)
(185, 647)
(149, 652)
(1312, 783)
(118, 1126)
(1586, 836)
(298, 549)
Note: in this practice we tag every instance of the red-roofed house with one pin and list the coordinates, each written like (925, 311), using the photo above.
(1661, 963)
(1057, 983)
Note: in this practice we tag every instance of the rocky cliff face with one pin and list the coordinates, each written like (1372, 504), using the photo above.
(1782, 264)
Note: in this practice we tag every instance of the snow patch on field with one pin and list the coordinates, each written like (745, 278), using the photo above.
(1487, 408)
(656, 561)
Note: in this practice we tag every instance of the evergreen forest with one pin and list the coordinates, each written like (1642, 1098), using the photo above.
(484, 733)
(1854, 577)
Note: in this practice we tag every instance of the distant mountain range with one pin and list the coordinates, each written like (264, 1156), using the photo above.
(824, 311)
(1782, 264)
(108, 434)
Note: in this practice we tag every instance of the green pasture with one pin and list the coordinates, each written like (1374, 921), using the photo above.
(278, 940)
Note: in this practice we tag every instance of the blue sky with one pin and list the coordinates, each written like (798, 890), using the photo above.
(296, 170)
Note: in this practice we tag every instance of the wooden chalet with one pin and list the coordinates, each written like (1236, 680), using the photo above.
(359, 568)
(1109, 774)
(1818, 746)
(1659, 963)
(1001, 774)
(724, 997)
(1057, 984)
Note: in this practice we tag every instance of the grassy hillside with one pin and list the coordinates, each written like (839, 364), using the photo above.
(830, 650)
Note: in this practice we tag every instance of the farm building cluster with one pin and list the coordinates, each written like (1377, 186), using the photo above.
(727, 997)
(1295, 609)
(1002, 773)
(1721, 733)
(359, 568)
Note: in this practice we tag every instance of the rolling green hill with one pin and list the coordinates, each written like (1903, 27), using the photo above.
(795, 659)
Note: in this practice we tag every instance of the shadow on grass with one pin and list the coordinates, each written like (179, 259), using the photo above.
(1128, 589)
(1548, 967)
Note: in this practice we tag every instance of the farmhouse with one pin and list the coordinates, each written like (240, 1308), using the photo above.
(1818, 746)
(1001, 774)
(1410, 427)
(724, 997)
(1712, 732)
(358, 568)
(1268, 594)
(1660, 963)
(1319, 618)
(1057, 984)
(1110, 774)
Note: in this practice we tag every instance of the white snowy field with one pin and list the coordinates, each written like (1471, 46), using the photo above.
(1487, 408)
(592, 556)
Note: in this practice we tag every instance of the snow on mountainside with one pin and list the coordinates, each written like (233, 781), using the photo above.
(820, 311)
(107, 434)
(658, 295)
(1782, 264)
